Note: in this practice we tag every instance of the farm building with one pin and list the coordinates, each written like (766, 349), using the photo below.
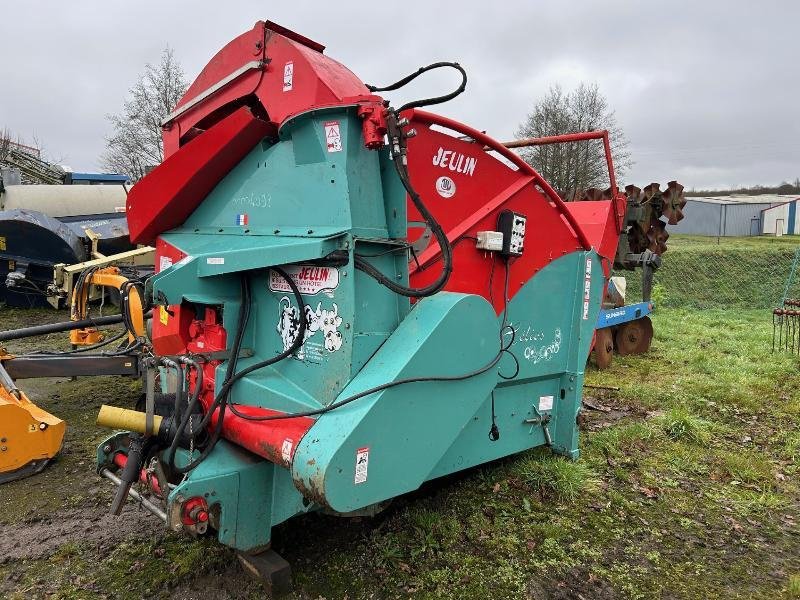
(783, 219)
(736, 215)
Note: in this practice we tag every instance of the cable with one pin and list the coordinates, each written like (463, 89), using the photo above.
(221, 400)
(438, 232)
(398, 151)
(425, 101)
(378, 388)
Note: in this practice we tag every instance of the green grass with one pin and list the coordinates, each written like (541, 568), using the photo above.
(692, 493)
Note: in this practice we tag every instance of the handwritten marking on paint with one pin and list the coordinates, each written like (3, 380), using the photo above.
(362, 463)
(455, 161)
(333, 137)
(544, 352)
(288, 76)
(256, 201)
(587, 288)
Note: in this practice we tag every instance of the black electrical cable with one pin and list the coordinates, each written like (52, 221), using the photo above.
(379, 388)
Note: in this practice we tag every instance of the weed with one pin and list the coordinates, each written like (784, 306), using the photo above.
(793, 587)
(679, 424)
(557, 477)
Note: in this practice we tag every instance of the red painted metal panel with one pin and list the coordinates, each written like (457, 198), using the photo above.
(315, 81)
(482, 187)
(169, 194)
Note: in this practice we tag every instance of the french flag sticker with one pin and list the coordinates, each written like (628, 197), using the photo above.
(241, 219)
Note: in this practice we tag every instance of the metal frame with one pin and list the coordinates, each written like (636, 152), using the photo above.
(70, 365)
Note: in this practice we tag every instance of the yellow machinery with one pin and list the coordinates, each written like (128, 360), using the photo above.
(29, 436)
(103, 277)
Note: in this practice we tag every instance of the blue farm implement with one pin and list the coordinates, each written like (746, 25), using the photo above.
(350, 299)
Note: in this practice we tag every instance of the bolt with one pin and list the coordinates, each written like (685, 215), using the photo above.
(3, 448)
(3, 440)
(347, 325)
(107, 449)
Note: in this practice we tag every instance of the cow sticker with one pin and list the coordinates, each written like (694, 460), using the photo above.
(322, 335)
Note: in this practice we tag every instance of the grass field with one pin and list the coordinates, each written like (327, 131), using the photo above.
(687, 487)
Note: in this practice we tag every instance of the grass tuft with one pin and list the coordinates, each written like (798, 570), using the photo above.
(679, 424)
(556, 477)
(793, 587)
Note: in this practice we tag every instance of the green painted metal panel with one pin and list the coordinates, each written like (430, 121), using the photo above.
(405, 429)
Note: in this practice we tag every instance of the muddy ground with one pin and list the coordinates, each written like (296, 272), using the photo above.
(637, 526)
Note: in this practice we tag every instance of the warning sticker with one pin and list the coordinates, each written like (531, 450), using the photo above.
(288, 76)
(286, 450)
(545, 403)
(2, 243)
(362, 462)
(215, 260)
(164, 263)
(333, 138)
(163, 315)
(587, 288)
(309, 279)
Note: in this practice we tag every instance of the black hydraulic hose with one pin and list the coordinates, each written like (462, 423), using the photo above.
(231, 376)
(439, 234)
(504, 348)
(243, 317)
(398, 147)
(425, 101)
(24, 332)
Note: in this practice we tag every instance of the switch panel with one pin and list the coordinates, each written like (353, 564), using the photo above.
(512, 226)
(490, 240)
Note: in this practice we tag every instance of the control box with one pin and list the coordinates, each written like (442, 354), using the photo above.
(512, 226)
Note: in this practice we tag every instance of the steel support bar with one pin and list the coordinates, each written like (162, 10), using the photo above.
(600, 134)
(71, 365)
(25, 332)
(136, 496)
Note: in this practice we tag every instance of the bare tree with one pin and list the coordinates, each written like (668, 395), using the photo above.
(135, 146)
(572, 168)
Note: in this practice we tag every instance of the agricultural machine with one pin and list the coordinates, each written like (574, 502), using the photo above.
(350, 299)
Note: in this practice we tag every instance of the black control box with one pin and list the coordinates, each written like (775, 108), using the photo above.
(512, 226)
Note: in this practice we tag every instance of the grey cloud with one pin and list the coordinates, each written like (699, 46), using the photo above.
(706, 91)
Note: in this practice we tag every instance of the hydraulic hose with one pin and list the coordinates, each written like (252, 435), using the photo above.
(397, 139)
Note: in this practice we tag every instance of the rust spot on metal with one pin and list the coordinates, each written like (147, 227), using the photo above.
(312, 462)
(314, 489)
(272, 454)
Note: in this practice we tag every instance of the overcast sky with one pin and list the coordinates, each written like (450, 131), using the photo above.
(707, 92)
